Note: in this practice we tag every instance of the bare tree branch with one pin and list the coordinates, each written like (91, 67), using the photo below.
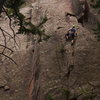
(6, 47)
(6, 32)
(5, 43)
(10, 25)
(8, 57)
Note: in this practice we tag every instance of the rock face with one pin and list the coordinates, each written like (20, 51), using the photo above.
(14, 79)
(62, 71)
(58, 70)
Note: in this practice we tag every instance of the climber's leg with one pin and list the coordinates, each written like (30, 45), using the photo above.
(72, 42)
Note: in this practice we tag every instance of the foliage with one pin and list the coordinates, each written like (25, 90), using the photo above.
(66, 92)
(97, 5)
(97, 32)
(14, 4)
(49, 97)
(13, 9)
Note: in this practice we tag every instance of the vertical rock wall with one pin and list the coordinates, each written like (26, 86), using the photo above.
(61, 68)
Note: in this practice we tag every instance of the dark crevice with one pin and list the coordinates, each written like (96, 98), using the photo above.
(70, 14)
(70, 69)
(71, 65)
(85, 14)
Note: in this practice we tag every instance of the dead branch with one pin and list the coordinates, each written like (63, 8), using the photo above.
(8, 57)
(5, 43)
(10, 25)
(6, 32)
(10, 20)
(6, 48)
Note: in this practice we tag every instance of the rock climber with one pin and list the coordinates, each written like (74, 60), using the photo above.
(71, 34)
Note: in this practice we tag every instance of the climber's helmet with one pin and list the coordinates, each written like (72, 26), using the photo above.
(73, 26)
